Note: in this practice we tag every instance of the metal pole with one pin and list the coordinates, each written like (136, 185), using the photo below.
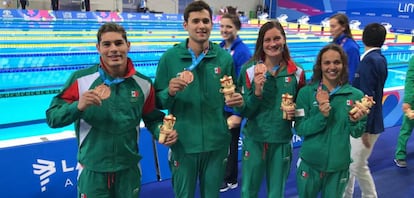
(270, 8)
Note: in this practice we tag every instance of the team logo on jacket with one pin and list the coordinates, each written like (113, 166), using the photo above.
(246, 155)
(288, 79)
(349, 102)
(217, 70)
(134, 94)
(304, 174)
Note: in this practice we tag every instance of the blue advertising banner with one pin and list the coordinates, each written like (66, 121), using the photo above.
(49, 169)
(99, 16)
(398, 15)
(50, 15)
(39, 170)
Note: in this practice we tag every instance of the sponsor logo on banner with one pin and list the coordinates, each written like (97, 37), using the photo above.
(406, 7)
(7, 14)
(130, 16)
(158, 16)
(47, 168)
(67, 15)
(44, 169)
(81, 15)
(145, 17)
(172, 17)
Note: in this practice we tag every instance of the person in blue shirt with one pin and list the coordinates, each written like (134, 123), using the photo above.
(342, 35)
(229, 26)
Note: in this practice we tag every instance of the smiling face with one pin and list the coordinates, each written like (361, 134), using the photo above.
(228, 30)
(199, 27)
(273, 43)
(331, 66)
(113, 49)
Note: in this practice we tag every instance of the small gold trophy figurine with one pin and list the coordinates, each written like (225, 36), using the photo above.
(365, 104)
(228, 86)
(168, 125)
(287, 105)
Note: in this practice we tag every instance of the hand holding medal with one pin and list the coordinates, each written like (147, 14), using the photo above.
(187, 76)
(103, 91)
(260, 69)
(322, 97)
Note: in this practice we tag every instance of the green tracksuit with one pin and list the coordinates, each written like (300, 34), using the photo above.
(407, 124)
(107, 135)
(203, 137)
(267, 139)
(325, 152)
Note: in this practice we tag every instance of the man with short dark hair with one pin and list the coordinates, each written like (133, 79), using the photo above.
(369, 78)
(188, 83)
(107, 102)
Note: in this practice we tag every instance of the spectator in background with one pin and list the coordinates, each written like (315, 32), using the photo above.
(370, 79)
(142, 7)
(324, 122)
(342, 35)
(187, 83)
(55, 4)
(408, 120)
(23, 4)
(267, 142)
(232, 10)
(229, 26)
(106, 102)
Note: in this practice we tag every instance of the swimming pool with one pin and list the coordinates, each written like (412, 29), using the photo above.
(32, 75)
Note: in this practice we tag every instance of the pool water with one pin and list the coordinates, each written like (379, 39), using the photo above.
(33, 67)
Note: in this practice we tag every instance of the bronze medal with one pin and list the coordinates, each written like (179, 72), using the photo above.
(103, 91)
(322, 95)
(187, 76)
(260, 69)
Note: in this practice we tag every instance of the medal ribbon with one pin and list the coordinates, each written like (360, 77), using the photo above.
(332, 92)
(107, 81)
(229, 49)
(195, 60)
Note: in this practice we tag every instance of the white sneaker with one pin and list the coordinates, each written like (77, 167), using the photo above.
(224, 187)
(233, 185)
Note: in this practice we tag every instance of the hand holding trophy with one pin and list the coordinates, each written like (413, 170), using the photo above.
(168, 125)
(365, 104)
(228, 88)
(287, 106)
